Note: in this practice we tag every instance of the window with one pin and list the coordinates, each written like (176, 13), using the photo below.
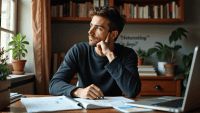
(8, 22)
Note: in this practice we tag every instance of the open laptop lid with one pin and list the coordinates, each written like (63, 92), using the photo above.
(192, 93)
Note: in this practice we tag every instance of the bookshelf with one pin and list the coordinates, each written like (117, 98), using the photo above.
(133, 19)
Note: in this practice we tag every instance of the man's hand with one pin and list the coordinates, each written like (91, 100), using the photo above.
(90, 92)
(105, 49)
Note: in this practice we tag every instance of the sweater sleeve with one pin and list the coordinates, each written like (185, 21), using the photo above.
(59, 84)
(126, 74)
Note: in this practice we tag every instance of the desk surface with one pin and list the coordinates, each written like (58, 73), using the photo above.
(19, 107)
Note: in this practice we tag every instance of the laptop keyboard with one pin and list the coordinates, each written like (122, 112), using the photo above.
(174, 103)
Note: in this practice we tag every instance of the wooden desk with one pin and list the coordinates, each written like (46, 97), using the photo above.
(19, 107)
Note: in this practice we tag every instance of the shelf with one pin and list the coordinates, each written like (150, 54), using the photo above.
(129, 20)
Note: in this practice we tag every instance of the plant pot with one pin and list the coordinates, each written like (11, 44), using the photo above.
(140, 61)
(170, 69)
(18, 67)
(4, 93)
(161, 69)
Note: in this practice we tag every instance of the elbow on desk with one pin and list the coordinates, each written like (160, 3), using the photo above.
(134, 92)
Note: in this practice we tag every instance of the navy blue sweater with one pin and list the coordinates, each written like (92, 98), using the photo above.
(112, 78)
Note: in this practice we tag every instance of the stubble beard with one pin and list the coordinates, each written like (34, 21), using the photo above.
(91, 43)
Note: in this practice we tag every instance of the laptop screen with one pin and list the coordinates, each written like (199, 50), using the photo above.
(192, 93)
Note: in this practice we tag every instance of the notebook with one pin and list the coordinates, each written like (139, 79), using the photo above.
(190, 101)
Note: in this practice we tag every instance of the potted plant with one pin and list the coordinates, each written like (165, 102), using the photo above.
(167, 52)
(170, 67)
(141, 56)
(18, 49)
(187, 61)
(4, 82)
(161, 52)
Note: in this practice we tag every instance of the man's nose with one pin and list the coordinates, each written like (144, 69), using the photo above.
(91, 31)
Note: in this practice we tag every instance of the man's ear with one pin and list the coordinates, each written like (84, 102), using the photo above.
(114, 34)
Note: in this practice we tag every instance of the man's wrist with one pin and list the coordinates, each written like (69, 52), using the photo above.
(75, 93)
(110, 56)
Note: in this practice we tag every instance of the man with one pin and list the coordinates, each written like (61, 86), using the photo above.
(104, 68)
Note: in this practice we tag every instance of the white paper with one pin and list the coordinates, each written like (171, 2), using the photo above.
(101, 103)
(124, 108)
(39, 104)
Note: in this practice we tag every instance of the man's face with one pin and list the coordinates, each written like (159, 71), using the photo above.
(98, 30)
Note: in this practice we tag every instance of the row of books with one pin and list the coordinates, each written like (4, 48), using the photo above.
(73, 9)
(147, 70)
(169, 10)
(57, 60)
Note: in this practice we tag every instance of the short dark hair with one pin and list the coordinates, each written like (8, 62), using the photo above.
(117, 21)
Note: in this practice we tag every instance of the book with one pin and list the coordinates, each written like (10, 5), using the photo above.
(58, 103)
(145, 66)
(60, 10)
(173, 9)
(147, 74)
(100, 103)
(102, 3)
(146, 69)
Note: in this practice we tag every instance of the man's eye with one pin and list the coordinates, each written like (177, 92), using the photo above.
(99, 28)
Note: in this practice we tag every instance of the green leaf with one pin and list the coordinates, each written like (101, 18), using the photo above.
(9, 50)
(172, 36)
(169, 48)
(177, 47)
(160, 44)
(23, 47)
(12, 43)
(161, 55)
(23, 38)
(178, 35)
(25, 50)
(181, 29)
(23, 54)
(25, 42)
(15, 54)
(177, 76)
(16, 48)
(151, 51)
(183, 93)
(19, 36)
(14, 38)
(20, 51)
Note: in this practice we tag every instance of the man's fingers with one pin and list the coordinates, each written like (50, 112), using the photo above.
(108, 37)
(100, 93)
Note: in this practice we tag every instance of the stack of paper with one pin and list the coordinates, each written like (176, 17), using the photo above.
(14, 97)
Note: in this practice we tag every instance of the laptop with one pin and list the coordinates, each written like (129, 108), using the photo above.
(190, 101)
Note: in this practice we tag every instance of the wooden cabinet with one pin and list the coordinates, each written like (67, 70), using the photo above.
(22, 84)
(160, 86)
(155, 86)
(118, 3)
